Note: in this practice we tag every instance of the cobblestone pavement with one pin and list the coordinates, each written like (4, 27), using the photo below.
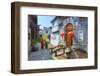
(77, 54)
(46, 55)
(40, 55)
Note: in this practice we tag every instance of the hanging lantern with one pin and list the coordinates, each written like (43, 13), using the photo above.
(70, 34)
(62, 34)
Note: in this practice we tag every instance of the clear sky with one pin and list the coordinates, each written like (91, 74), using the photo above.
(45, 21)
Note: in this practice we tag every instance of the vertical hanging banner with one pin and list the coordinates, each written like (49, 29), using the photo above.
(80, 35)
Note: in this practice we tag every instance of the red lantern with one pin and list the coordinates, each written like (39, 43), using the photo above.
(62, 34)
(70, 34)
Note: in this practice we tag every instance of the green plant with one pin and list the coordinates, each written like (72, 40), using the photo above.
(36, 39)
